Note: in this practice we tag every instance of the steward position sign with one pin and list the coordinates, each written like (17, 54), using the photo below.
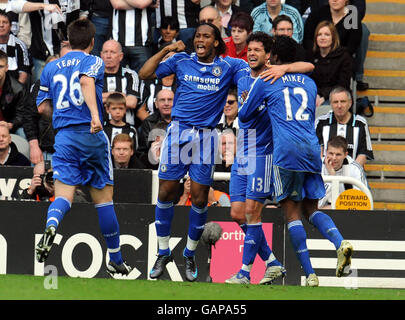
(353, 199)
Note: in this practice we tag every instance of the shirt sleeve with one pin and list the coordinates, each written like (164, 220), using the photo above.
(169, 66)
(365, 145)
(92, 66)
(240, 68)
(254, 99)
(133, 84)
(44, 87)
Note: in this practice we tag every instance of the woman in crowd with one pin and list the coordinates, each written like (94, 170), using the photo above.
(333, 63)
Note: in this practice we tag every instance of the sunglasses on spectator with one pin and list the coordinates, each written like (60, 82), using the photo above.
(231, 101)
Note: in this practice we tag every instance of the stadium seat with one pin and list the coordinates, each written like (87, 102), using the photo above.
(22, 144)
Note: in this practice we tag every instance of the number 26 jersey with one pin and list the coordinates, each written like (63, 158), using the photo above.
(60, 82)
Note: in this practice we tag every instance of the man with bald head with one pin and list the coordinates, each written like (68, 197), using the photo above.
(120, 79)
(208, 14)
(212, 15)
(164, 104)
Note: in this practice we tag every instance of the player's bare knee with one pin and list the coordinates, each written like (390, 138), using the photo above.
(238, 216)
(199, 201)
(167, 190)
(253, 212)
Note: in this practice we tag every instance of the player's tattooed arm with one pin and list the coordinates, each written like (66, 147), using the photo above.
(148, 69)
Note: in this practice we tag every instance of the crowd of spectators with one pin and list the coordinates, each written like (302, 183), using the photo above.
(328, 33)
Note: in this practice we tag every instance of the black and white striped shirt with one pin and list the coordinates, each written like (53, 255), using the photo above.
(125, 81)
(112, 130)
(148, 90)
(18, 58)
(355, 132)
(45, 39)
(185, 11)
(132, 28)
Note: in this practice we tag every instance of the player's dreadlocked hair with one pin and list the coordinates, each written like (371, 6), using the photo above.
(285, 49)
(221, 49)
(262, 37)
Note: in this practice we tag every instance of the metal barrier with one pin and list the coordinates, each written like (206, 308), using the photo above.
(335, 180)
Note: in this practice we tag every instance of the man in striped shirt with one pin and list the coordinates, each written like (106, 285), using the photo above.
(17, 52)
(341, 122)
(120, 79)
(132, 28)
(185, 11)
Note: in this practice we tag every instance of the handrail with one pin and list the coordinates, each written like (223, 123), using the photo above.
(335, 180)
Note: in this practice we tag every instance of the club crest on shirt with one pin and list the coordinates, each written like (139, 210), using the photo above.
(217, 71)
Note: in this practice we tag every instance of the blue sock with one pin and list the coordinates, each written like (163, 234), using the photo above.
(253, 240)
(264, 251)
(164, 212)
(110, 229)
(326, 227)
(197, 220)
(298, 238)
(56, 211)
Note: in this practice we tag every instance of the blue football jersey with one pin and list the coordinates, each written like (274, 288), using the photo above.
(255, 135)
(202, 88)
(60, 82)
(291, 105)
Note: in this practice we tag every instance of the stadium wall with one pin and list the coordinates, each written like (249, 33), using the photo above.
(79, 250)
(131, 186)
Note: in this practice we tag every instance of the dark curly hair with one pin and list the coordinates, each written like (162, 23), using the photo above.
(262, 37)
(285, 49)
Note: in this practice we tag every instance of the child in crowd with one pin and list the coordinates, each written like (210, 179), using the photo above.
(116, 108)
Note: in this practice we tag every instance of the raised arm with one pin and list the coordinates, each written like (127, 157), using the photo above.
(148, 69)
(274, 72)
(28, 6)
(130, 4)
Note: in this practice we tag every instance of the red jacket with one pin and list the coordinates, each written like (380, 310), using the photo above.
(231, 50)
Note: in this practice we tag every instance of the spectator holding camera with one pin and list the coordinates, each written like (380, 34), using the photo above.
(41, 187)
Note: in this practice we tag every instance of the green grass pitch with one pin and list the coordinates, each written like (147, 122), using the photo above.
(26, 287)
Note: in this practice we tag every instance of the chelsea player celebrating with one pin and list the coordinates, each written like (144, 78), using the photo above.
(72, 87)
(298, 183)
(203, 79)
(251, 176)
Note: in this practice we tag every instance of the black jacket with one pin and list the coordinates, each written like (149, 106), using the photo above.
(332, 70)
(349, 37)
(98, 7)
(146, 127)
(16, 158)
(12, 102)
(36, 126)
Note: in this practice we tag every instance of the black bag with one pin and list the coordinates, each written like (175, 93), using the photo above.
(364, 107)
